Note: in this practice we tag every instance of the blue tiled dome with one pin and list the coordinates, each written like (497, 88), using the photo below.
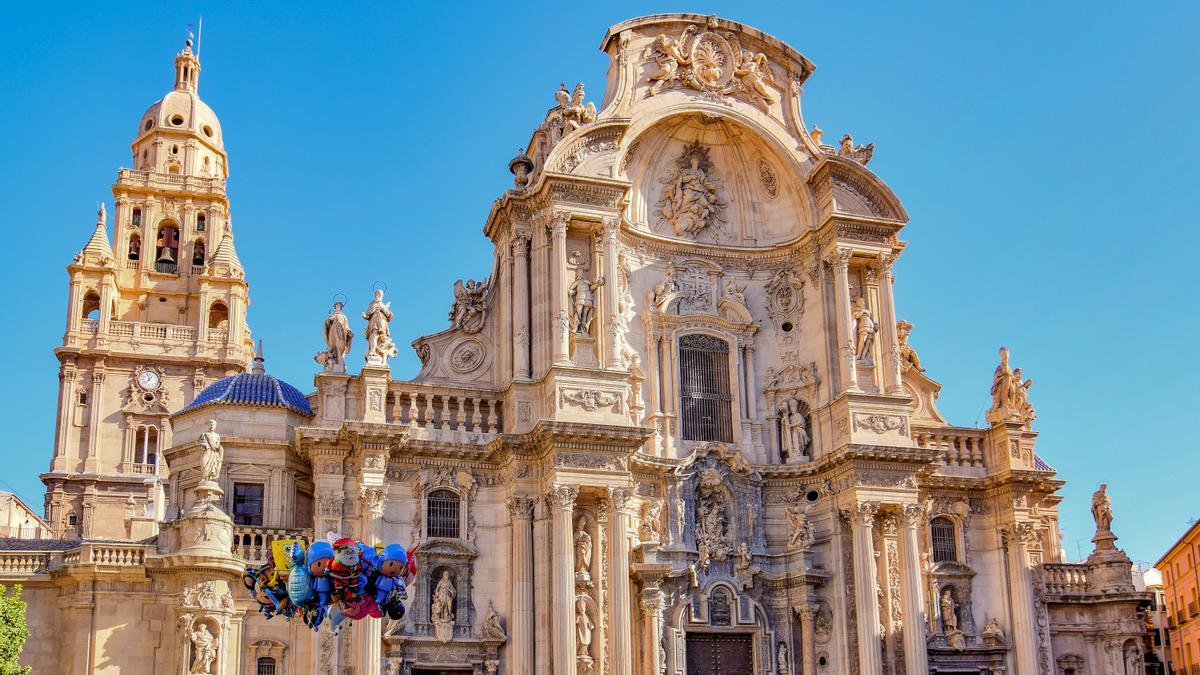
(253, 389)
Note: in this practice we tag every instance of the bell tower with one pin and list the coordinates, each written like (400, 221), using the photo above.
(153, 315)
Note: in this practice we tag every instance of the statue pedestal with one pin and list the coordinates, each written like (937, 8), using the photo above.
(208, 498)
(1109, 566)
(583, 351)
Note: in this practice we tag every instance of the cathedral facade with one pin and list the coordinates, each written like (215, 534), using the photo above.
(679, 428)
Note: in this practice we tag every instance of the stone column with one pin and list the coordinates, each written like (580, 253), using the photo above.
(562, 506)
(558, 289)
(91, 462)
(369, 654)
(520, 305)
(889, 346)
(520, 621)
(619, 597)
(808, 636)
(915, 656)
(542, 618)
(845, 323)
(610, 325)
(1025, 633)
(870, 659)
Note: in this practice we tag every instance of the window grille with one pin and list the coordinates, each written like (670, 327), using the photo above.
(707, 407)
(442, 511)
(265, 666)
(941, 531)
(248, 503)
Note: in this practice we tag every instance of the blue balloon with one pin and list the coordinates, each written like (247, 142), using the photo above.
(299, 585)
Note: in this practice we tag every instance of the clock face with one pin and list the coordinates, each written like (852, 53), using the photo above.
(148, 380)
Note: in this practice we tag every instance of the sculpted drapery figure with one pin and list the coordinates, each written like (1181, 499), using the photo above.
(583, 554)
(689, 201)
(583, 294)
(467, 312)
(583, 626)
(802, 528)
(441, 610)
(204, 650)
(1102, 509)
(338, 337)
(492, 628)
(212, 454)
(793, 430)
(949, 615)
(379, 336)
(1010, 395)
(666, 286)
(864, 328)
(908, 356)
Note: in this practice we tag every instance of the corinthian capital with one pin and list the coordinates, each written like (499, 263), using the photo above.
(914, 515)
(558, 223)
(520, 243)
(865, 512)
(520, 508)
(373, 499)
(619, 497)
(562, 497)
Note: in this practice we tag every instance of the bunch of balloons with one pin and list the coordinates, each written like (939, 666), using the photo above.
(336, 578)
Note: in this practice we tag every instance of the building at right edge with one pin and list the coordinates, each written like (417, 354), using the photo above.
(1181, 590)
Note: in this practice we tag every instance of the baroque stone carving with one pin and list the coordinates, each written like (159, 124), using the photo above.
(441, 610)
(493, 629)
(470, 305)
(204, 649)
(650, 524)
(212, 453)
(857, 153)
(689, 201)
(766, 175)
(864, 329)
(590, 399)
(712, 518)
(467, 356)
(793, 430)
(713, 64)
(206, 595)
(879, 424)
(1102, 509)
(908, 356)
(1010, 396)
(380, 347)
(583, 296)
(338, 338)
(570, 113)
(785, 297)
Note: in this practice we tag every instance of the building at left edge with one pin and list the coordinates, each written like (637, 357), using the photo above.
(678, 428)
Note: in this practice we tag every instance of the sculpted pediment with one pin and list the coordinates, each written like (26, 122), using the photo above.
(448, 548)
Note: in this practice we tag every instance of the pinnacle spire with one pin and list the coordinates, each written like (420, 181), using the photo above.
(187, 68)
(226, 255)
(258, 368)
(98, 245)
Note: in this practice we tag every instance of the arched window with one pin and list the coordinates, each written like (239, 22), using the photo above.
(137, 218)
(704, 388)
(135, 246)
(719, 608)
(166, 249)
(441, 510)
(201, 219)
(218, 315)
(198, 252)
(265, 665)
(941, 531)
(91, 306)
(145, 445)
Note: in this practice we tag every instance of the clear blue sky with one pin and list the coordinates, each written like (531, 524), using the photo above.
(1044, 151)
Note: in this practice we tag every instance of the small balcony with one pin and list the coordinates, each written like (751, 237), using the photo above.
(163, 267)
(253, 543)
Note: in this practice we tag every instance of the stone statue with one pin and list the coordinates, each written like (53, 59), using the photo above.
(1133, 662)
(467, 312)
(650, 528)
(583, 294)
(576, 112)
(793, 430)
(668, 285)
(583, 627)
(864, 328)
(732, 290)
(755, 75)
(379, 336)
(1010, 396)
(583, 555)
(441, 610)
(492, 628)
(204, 650)
(689, 202)
(857, 153)
(949, 615)
(802, 528)
(908, 356)
(338, 337)
(992, 632)
(669, 55)
(212, 454)
(1102, 509)
(783, 664)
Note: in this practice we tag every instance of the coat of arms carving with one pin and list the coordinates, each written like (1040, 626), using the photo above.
(713, 64)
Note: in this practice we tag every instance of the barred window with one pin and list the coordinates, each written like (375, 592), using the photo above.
(265, 665)
(941, 530)
(442, 514)
(707, 407)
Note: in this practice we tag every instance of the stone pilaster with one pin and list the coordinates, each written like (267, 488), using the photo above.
(915, 656)
(372, 502)
(609, 319)
(1025, 629)
(558, 287)
(521, 621)
(808, 636)
(619, 598)
(520, 305)
(840, 261)
(562, 506)
(870, 659)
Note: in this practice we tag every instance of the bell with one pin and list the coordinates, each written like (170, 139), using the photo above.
(166, 256)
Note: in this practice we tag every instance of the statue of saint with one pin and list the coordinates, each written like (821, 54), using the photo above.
(583, 293)
(204, 650)
(1102, 509)
(689, 201)
(949, 617)
(441, 609)
(583, 627)
(802, 529)
(793, 429)
(908, 356)
(469, 309)
(338, 337)
(669, 284)
(492, 628)
(379, 337)
(734, 291)
(583, 554)
(1010, 396)
(864, 328)
(212, 454)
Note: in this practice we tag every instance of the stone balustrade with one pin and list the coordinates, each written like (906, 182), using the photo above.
(108, 554)
(253, 543)
(442, 411)
(166, 181)
(152, 331)
(19, 563)
(958, 446)
(1066, 578)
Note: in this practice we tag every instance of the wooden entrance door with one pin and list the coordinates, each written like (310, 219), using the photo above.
(719, 654)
